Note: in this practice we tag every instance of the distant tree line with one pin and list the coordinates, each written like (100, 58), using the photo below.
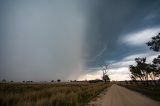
(145, 72)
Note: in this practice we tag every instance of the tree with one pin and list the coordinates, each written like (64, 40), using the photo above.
(152, 73)
(105, 76)
(142, 66)
(58, 80)
(136, 73)
(141, 71)
(154, 44)
(156, 67)
(4, 80)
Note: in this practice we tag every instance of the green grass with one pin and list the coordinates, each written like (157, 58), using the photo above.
(19, 94)
(150, 91)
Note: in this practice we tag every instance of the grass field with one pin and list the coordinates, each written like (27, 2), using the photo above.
(48, 94)
(151, 91)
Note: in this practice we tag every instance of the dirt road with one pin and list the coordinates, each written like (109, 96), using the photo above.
(120, 96)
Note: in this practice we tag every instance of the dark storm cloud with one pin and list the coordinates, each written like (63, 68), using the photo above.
(109, 20)
(44, 40)
(41, 40)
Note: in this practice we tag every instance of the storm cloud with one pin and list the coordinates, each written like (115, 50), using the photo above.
(110, 20)
(41, 40)
(45, 40)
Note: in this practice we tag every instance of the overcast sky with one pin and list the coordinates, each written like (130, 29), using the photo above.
(72, 39)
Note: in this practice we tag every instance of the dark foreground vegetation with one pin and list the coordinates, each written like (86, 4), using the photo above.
(48, 94)
(146, 76)
(150, 91)
(146, 72)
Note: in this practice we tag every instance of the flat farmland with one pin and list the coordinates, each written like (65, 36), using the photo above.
(48, 94)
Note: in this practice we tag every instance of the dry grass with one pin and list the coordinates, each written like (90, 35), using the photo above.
(151, 91)
(19, 94)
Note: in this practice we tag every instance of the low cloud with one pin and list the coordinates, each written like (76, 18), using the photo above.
(118, 70)
(119, 74)
(140, 37)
